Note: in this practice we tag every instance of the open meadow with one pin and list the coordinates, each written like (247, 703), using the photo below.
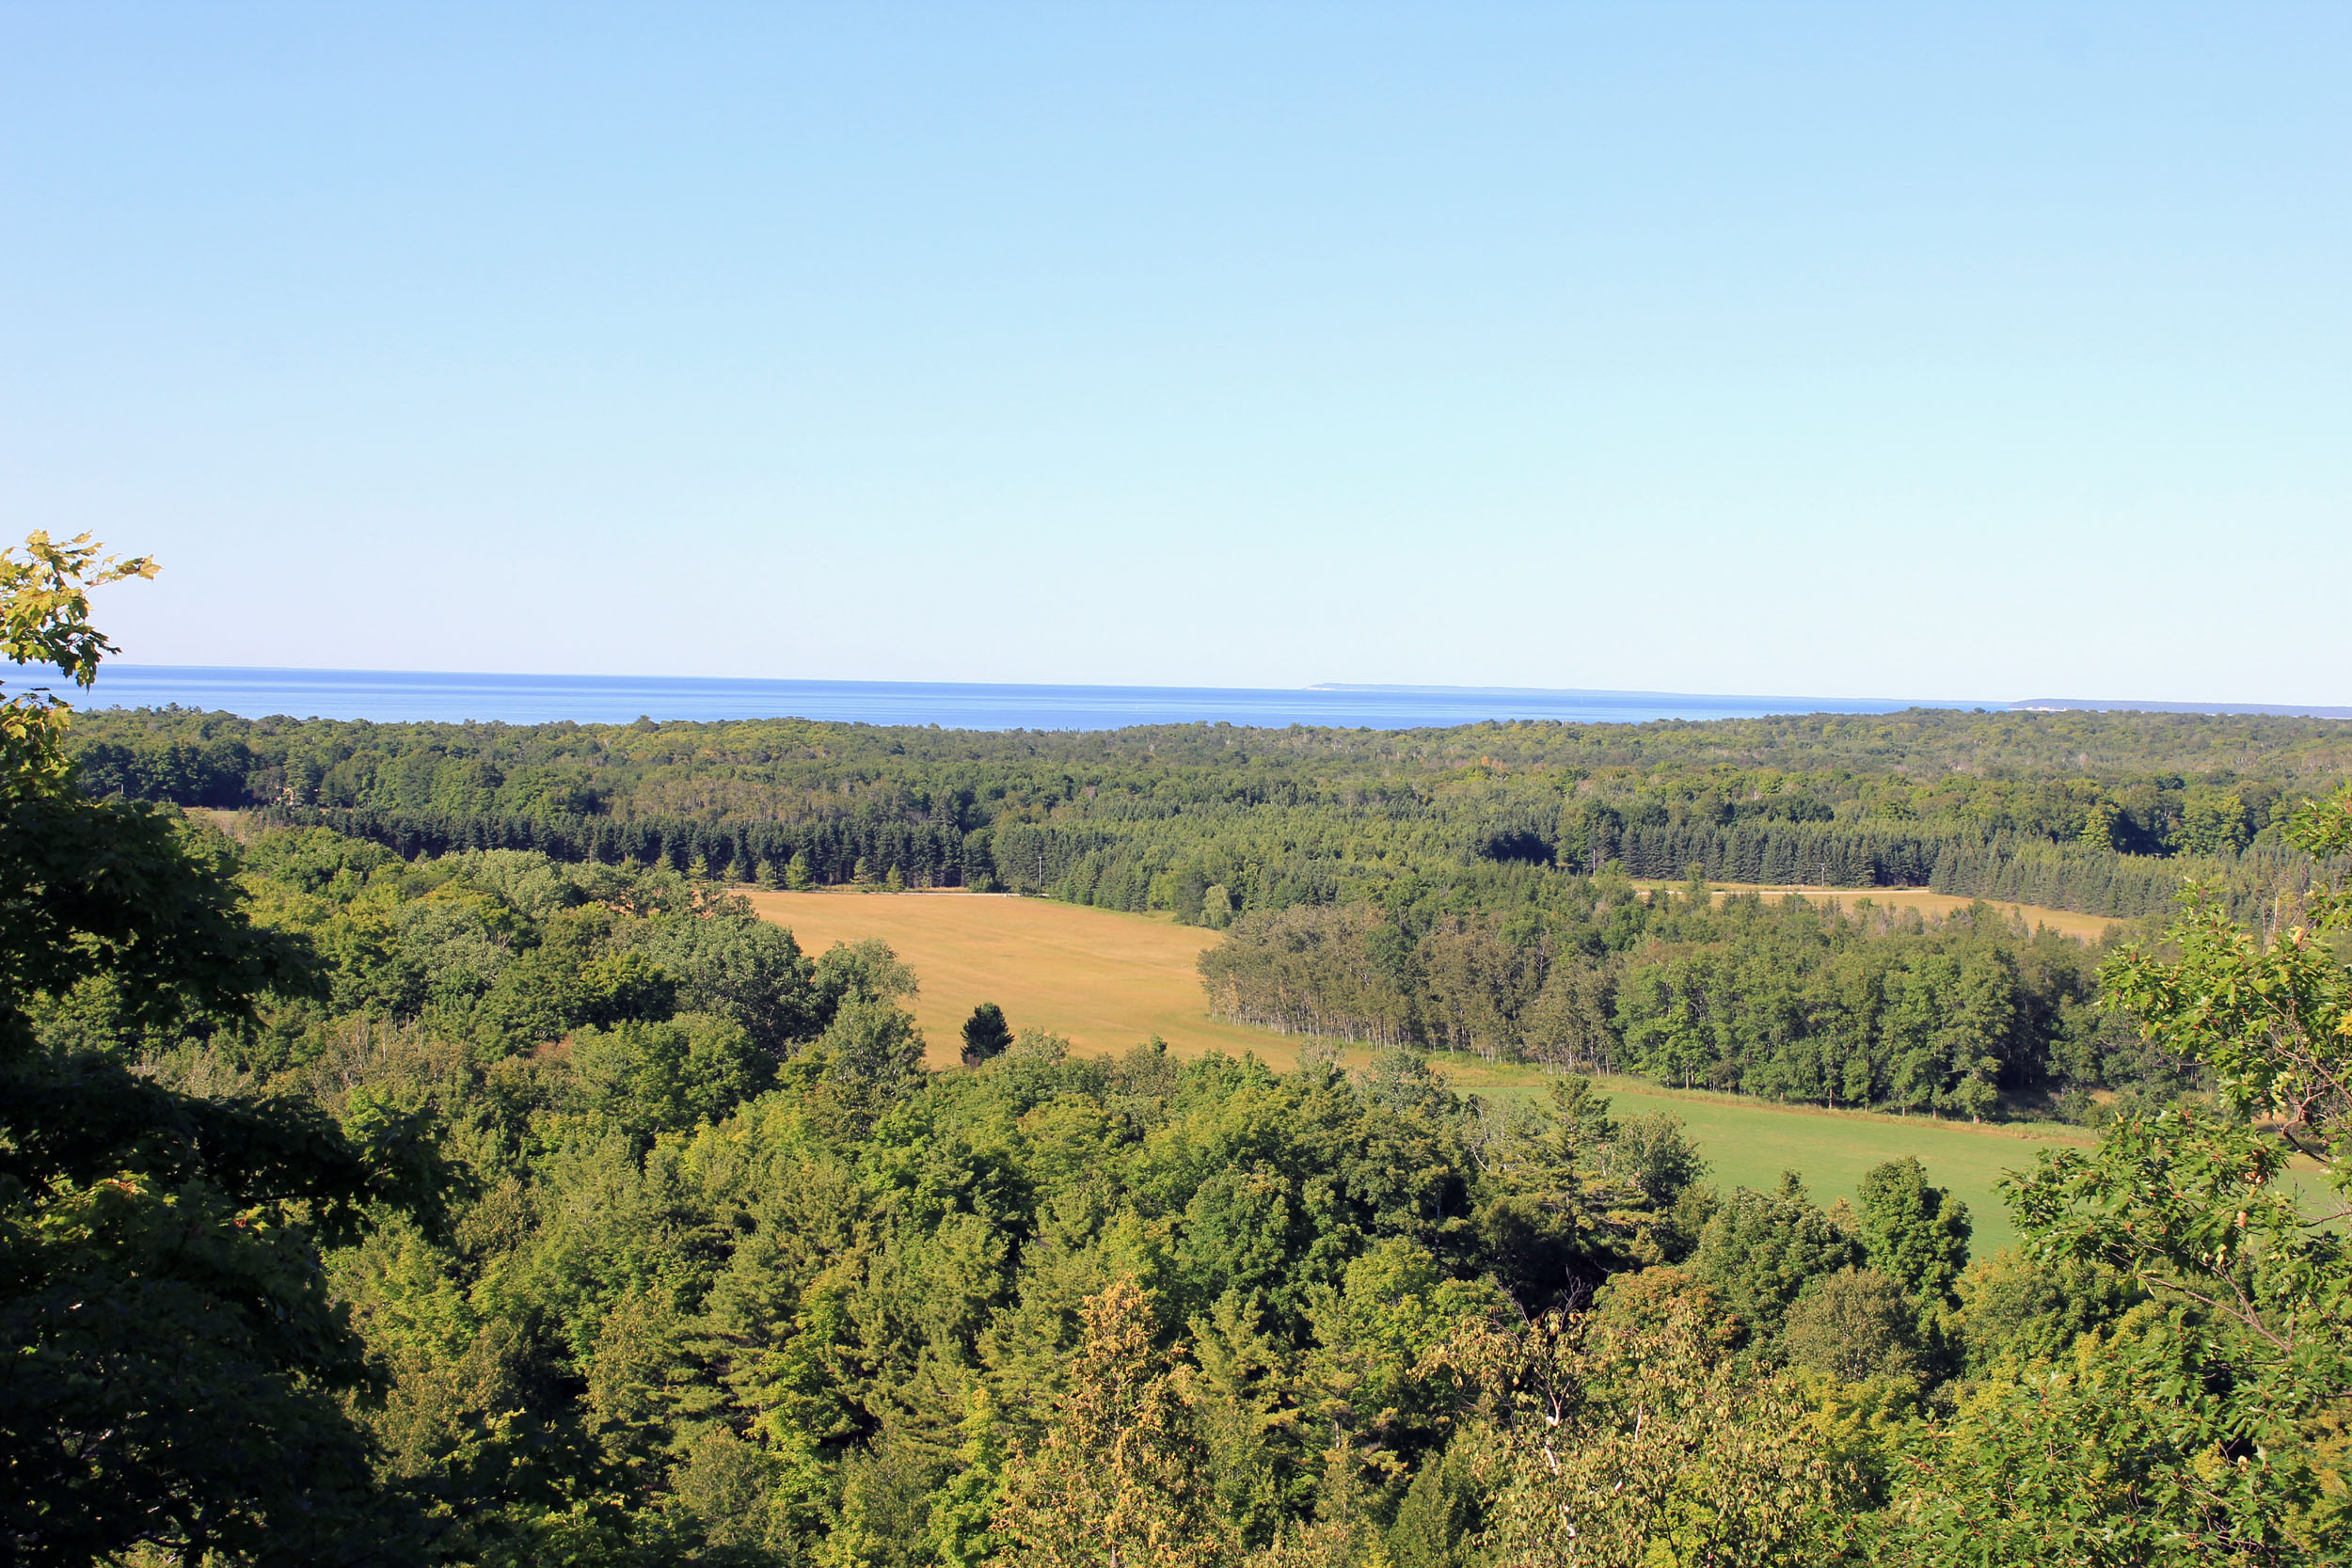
(1748, 1142)
(1102, 978)
(1108, 980)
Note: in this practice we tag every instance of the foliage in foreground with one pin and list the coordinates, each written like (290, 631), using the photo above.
(176, 1369)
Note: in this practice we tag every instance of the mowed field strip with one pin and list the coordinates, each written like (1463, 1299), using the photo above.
(1108, 980)
(2086, 927)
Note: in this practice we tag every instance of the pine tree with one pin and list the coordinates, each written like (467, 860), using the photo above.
(985, 1034)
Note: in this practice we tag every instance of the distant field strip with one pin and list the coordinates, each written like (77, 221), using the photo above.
(1108, 980)
(2089, 927)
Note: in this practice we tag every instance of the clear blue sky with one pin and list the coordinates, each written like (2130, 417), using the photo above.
(1969, 351)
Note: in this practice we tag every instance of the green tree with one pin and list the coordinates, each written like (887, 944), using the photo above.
(1438, 1519)
(872, 1043)
(2212, 822)
(45, 621)
(1242, 1396)
(1915, 1234)
(1116, 1482)
(985, 1034)
(666, 1077)
(1370, 1376)
(2109, 1457)
(2018, 1311)
(1624, 1443)
(959, 1530)
(1854, 1325)
(727, 960)
(1762, 1249)
(865, 970)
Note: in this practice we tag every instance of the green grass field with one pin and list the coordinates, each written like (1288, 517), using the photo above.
(1748, 1142)
(1108, 980)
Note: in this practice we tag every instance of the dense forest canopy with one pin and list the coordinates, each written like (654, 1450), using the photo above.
(2099, 811)
(1790, 1000)
(370, 1192)
(730, 1279)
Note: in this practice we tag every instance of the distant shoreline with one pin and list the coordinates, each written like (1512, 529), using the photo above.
(399, 696)
(429, 696)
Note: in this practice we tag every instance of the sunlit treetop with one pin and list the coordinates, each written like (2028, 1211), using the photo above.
(44, 616)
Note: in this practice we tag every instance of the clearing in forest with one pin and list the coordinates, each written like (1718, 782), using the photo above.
(1748, 1142)
(1107, 979)
(1104, 979)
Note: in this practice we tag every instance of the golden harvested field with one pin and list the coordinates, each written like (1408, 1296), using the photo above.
(2087, 927)
(1104, 979)
(1108, 980)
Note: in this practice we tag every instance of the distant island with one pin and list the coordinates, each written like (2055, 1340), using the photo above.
(1842, 705)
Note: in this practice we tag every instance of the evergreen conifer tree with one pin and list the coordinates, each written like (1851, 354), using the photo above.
(985, 1034)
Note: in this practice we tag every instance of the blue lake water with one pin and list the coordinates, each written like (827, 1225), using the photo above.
(392, 696)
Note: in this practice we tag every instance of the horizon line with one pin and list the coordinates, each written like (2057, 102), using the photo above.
(2025, 704)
